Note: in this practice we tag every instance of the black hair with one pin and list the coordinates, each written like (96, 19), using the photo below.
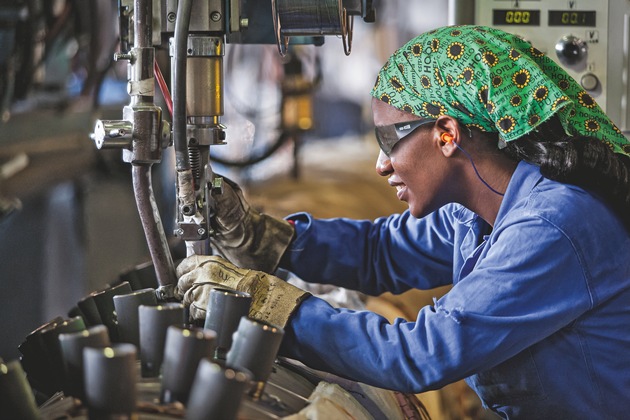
(579, 160)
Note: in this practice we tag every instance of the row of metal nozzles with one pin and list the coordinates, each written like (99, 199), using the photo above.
(208, 370)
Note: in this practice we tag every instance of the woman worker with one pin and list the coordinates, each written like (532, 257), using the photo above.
(518, 188)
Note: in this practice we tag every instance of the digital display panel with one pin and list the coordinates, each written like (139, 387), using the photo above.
(571, 18)
(516, 17)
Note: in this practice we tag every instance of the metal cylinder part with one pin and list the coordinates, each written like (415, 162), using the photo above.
(204, 86)
(154, 322)
(183, 350)
(50, 339)
(142, 276)
(16, 397)
(204, 76)
(89, 310)
(104, 300)
(216, 392)
(113, 134)
(72, 345)
(223, 314)
(254, 348)
(127, 314)
(110, 380)
(34, 359)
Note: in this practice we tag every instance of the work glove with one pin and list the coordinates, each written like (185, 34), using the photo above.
(273, 299)
(245, 237)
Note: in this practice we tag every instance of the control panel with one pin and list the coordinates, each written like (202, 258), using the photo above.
(588, 38)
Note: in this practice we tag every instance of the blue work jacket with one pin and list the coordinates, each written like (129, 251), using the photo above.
(538, 319)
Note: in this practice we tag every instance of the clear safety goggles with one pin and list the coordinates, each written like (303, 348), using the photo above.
(388, 135)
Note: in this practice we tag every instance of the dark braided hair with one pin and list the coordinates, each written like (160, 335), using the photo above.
(579, 160)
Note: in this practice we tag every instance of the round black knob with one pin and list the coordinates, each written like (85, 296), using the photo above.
(571, 50)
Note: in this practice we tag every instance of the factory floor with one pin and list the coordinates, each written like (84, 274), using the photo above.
(337, 179)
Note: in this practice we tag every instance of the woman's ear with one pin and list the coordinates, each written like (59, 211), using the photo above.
(448, 133)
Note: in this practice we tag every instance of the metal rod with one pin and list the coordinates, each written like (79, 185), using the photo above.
(142, 24)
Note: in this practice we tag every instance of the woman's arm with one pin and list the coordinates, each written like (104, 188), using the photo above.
(525, 286)
(389, 254)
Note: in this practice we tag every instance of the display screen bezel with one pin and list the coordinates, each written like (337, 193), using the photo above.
(585, 18)
(501, 17)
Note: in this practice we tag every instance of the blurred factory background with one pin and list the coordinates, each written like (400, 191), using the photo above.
(68, 220)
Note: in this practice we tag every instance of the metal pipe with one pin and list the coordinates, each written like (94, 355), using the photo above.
(142, 24)
(152, 224)
(143, 103)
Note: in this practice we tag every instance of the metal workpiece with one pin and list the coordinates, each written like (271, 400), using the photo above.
(255, 345)
(16, 397)
(72, 345)
(224, 311)
(111, 381)
(127, 313)
(217, 392)
(184, 348)
(153, 323)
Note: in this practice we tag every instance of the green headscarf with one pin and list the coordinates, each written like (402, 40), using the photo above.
(492, 80)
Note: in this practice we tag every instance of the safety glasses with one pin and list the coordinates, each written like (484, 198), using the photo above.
(388, 135)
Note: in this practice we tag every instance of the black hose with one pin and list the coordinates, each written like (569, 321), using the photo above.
(182, 163)
(282, 139)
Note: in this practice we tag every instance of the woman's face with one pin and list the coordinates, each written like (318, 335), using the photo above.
(416, 167)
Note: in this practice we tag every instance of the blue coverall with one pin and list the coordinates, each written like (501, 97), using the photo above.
(538, 319)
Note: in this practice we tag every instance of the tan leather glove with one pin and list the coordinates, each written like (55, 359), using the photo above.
(245, 237)
(273, 299)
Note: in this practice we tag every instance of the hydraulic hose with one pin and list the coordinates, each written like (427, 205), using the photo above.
(182, 163)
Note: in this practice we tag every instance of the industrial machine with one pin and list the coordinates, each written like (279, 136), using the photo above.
(589, 39)
(195, 33)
